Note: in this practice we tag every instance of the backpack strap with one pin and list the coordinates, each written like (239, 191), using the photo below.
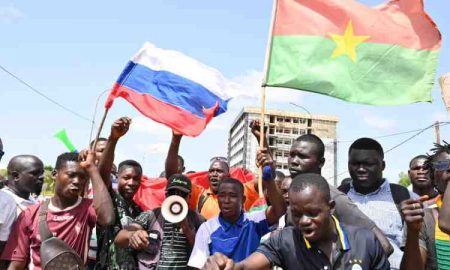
(202, 200)
(399, 193)
(44, 232)
(344, 188)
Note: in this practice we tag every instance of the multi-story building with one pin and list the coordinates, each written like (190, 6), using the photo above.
(284, 127)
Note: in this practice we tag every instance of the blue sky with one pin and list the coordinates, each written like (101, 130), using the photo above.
(72, 51)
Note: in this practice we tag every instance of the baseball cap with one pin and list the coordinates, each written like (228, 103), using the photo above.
(180, 182)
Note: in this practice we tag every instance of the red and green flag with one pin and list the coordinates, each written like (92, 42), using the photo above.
(384, 55)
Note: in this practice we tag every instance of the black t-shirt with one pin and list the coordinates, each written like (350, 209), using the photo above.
(357, 249)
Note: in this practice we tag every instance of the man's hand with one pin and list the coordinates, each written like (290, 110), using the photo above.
(120, 127)
(256, 128)
(412, 211)
(87, 159)
(263, 158)
(218, 261)
(139, 240)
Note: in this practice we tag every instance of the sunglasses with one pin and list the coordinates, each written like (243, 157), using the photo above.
(1, 153)
(224, 159)
(441, 165)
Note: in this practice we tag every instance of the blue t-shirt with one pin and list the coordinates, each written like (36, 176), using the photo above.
(237, 241)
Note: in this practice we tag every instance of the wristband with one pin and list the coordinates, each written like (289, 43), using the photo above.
(268, 174)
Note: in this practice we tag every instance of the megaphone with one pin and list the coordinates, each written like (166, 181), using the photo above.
(174, 209)
(62, 136)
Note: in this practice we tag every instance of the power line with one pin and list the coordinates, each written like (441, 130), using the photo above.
(420, 131)
(45, 96)
(394, 134)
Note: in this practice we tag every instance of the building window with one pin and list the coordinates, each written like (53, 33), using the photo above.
(287, 142)
(295, 120)
(294, 131)
(287, 131)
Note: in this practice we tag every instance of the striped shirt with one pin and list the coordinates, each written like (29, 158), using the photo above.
(173, 248)
(237, 241)
(381, 208)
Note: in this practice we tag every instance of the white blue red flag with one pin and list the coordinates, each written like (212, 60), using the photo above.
(172, 89)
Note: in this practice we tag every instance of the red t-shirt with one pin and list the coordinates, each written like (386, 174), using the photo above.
(73, 225)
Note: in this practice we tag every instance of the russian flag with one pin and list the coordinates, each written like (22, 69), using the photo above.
(172, 89)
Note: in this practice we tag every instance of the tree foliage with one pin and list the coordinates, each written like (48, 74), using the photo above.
(403, 179)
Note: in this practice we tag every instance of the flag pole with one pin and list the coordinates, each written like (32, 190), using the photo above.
(100, 129)
(263, 94)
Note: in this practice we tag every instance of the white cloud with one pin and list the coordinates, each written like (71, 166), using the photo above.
(249, 85)
(145, 125)
(10, 14)
(379, 122)
(153, 148)
(439, 116)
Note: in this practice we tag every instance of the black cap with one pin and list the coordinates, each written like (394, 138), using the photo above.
(180, 182)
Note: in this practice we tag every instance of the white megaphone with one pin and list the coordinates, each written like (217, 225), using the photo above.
(174, 209)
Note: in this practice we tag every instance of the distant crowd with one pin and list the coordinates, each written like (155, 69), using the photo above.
(92, 221)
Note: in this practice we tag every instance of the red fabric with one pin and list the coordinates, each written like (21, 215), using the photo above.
(73, 226)
(151, 192)
(398, 22)
(178, 119)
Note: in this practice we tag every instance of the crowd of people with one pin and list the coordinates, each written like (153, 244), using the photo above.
(93, 222)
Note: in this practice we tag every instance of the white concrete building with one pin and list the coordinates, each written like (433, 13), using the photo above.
(284, 127)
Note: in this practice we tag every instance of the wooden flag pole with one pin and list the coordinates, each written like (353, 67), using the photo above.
(261, 137)
(263, 94)
(100, 129)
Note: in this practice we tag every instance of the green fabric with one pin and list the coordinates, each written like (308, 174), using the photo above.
(443, 254)
(383, 74)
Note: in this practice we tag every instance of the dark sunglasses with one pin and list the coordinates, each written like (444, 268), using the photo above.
(441, 165)
(224, 159)
(1, 153)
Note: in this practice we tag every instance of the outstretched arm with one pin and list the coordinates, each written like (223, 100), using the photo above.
(444, 212)
(102, 200)
(414, 257)
(118, 129)
(277, 206)
(256, 261)
(172, 155)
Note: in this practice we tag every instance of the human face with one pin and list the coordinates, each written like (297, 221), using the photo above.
(285, 189)
(303, 158)
(217, 171)
(311, 213)
(99, 148)
(128, 182)
(418, 173)
(31, 177)
(441, 177)
(230, 200)
(366, 169)
(70, 179)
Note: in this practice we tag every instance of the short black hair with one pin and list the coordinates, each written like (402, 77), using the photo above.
(129, 163)
(314, 139)
(235, 182)
(180, 158)
(417, 157)
(305, 180)
(101, 139)
(367, 144)
(65, 157)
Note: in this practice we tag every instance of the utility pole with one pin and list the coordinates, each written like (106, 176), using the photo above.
(437, 131)
(335, 162)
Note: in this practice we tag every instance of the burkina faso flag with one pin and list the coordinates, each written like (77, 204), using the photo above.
(384, 55)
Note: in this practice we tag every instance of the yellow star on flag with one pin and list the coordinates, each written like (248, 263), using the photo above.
(346, 44)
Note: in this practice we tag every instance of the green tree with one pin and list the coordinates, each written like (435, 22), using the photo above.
(49, 185)
(403, 179)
